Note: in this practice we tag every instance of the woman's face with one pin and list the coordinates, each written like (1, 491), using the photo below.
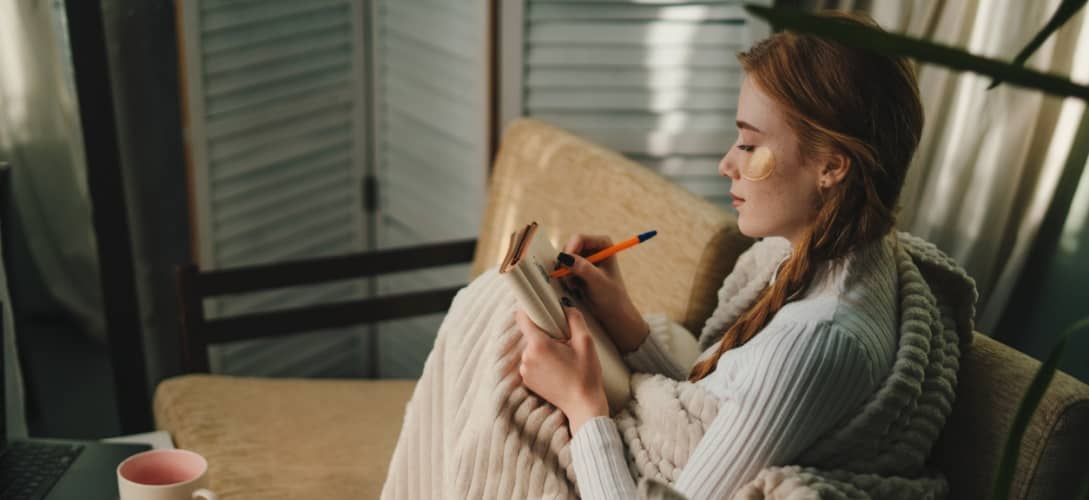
(785, 202)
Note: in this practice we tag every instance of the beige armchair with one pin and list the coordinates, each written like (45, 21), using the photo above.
(270, 439)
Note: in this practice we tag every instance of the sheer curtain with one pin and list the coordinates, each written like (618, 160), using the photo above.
(989, 160)
(40, 135)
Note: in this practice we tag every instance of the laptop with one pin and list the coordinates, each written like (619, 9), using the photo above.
(57, 469)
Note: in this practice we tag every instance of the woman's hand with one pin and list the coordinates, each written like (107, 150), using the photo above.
(603, 291)
(566, 373)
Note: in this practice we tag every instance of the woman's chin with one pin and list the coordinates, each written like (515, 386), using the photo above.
(743, 227)
(746, 228)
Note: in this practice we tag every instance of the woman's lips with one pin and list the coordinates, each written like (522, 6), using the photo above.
(737, 200)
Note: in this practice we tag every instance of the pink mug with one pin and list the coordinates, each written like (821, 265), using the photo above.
(164, 475)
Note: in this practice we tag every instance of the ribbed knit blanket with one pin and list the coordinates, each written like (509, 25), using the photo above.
(472, 430)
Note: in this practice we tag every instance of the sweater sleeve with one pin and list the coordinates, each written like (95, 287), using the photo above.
(790, 389)
(657, 353)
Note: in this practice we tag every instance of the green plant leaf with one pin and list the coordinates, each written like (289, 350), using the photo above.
(1035, 393)
(1066, 10)
(922, 50)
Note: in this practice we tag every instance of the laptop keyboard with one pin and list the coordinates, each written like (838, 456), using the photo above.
(28, 470)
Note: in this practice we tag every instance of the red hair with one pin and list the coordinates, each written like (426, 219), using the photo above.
(843, 101)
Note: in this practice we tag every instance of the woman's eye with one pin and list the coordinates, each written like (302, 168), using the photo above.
(745, 147)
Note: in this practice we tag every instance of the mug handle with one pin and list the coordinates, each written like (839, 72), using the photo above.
(205, 494)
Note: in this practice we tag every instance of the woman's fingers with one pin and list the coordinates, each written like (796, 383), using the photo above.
(536, 338)
(587, 245)
(593, 277)
(528, 327)
(534, 345)
(573, 245)
(542, 354)
(580, 333)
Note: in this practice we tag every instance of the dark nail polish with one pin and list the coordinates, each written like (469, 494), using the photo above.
(565, 259)
(566, 302)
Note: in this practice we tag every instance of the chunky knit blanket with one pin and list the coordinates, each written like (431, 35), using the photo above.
(473, 431)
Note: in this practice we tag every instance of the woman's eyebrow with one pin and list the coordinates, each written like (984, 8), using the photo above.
(746, 125)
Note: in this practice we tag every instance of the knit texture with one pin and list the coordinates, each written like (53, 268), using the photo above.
(473, 431)
(880, 453)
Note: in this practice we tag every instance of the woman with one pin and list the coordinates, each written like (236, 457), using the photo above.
(825, 136)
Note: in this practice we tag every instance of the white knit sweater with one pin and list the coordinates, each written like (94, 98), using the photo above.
(815, 363)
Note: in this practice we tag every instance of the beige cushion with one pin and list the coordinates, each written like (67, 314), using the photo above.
(993, 379)
(570, 185)
(268, 439)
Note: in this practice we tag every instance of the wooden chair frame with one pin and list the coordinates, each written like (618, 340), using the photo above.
(194, 285)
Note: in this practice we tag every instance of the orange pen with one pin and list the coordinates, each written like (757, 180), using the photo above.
(608, 252)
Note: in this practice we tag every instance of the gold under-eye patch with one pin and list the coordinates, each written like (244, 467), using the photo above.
(760, 165)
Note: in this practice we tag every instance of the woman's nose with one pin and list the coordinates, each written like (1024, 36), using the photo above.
(727, 166)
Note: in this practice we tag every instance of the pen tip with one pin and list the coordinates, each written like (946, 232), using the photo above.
(647, 235)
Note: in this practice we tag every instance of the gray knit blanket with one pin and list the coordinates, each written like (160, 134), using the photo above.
(472, 430)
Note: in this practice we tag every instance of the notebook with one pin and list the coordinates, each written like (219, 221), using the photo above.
(529, 259)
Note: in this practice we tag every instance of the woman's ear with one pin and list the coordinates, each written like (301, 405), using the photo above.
(833, 171)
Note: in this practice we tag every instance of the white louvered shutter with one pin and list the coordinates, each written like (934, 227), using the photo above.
(275, 94)
(432, 107)
(656, 80)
